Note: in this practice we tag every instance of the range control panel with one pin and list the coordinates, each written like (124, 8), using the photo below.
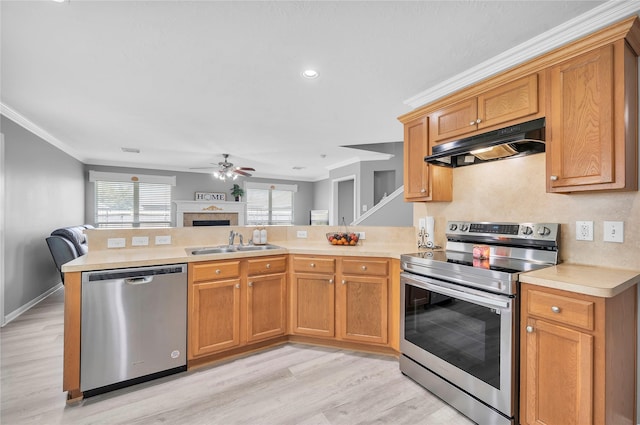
(536, 231)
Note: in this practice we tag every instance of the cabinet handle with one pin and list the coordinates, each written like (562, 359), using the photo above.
(529, 329)
(364, 268)
(250, 284)
(312, 264)
(218, 271)
(478, 121)
(344, 282)
(268, 265)
(423, 190)
(553, 178)
(472, 123)
(237, 286)
(555, 309)
(330, 280)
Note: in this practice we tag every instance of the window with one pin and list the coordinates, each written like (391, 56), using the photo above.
(122, 200)
(269, 203)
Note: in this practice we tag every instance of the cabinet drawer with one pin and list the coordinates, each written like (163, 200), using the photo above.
(314, 265)
(217, 270)
(561, 309)
(266, 265)
(365, 267)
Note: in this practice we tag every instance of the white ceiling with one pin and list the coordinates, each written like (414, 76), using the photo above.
(186, 82)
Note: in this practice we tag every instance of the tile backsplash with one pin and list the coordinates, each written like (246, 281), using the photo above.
(514, 191)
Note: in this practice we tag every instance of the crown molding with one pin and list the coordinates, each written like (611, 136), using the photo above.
(29, 125)
(580, 26)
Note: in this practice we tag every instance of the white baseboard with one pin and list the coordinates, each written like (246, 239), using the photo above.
(11, 316)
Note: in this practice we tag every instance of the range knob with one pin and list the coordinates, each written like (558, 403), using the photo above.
(527, 230)
(453, 226)
(464, 227)
(544, 231)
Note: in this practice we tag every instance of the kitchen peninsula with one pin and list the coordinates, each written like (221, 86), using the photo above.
(344, 296)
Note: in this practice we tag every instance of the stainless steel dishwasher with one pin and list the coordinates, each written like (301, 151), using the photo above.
(134, 326)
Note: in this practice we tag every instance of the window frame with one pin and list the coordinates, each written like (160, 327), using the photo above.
(270, 187)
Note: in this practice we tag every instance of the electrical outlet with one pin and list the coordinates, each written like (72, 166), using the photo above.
(116, 242)
(364, 207)
(140, 240)
(614, 231)
(584, 230)
(361, 235)
(301, 234)
(163, 240)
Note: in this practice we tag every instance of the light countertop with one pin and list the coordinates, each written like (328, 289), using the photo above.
(589, 280)
(136, 257)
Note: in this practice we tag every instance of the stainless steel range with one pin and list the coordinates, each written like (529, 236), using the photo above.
(460, 309)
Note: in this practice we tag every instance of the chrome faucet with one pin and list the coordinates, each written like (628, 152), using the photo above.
(241, 239)
(232, 237)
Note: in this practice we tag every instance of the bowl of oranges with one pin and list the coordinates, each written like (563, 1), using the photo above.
(343, 238)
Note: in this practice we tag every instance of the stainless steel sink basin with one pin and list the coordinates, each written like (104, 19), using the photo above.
(223, 249)
(256, 247)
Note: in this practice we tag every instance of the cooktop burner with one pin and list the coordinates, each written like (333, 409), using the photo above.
(488, 255)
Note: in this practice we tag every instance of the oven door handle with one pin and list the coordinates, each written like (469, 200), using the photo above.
(464, 296)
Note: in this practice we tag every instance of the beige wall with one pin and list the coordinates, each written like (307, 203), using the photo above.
(514, 191)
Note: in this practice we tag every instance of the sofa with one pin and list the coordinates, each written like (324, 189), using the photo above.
(66, 244)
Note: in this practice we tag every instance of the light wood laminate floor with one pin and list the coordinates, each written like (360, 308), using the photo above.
(290, 384)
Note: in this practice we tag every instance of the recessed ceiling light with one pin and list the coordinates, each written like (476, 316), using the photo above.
(297, 167)
(310, 74)
(130, 150)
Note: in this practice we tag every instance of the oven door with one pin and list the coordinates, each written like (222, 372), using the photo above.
(463, 335)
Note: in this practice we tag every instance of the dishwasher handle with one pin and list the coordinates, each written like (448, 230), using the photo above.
(138, 280)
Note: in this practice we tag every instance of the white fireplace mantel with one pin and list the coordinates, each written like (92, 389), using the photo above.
(213, 207)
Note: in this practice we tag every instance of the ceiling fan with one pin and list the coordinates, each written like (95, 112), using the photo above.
(226, 170)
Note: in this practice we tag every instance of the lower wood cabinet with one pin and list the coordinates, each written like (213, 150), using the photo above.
(233, 303)
(346, 299)
(577, 358)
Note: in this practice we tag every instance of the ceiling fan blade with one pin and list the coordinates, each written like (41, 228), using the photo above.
(242, 173)
(246, 168)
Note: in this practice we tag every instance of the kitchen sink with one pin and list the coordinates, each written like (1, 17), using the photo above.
(223, 249)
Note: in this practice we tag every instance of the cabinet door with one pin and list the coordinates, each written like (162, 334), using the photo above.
(455, 120)
(581, 150)
(363, 308)
(313, 310)
(416, 176)
(558, 386)
(508, 102)
(266, 313)
(214, 322)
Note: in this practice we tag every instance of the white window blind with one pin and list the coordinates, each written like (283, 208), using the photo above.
(269, 204)
(132, 203)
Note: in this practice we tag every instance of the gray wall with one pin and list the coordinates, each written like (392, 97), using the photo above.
(189, 183)
(44, 190)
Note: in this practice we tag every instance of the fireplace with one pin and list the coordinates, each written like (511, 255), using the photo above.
(217, 213)
(196, 223)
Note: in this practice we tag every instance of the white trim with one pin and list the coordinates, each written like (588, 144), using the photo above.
(21, 120)
(124, 177)
(2, 227)
(333, 207)
(398, 192)
(593, 20)
(14, 314)
(357, 160)
(268, 186)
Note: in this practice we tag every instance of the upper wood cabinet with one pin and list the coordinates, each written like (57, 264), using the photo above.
(508, 103)
(423, 182)
(592, 122)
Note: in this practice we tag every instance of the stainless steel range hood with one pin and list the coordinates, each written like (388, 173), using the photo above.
(511, 142)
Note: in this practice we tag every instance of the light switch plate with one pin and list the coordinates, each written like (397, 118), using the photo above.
(301, 234)
(614, 231)
(163, 240)
(116, 242)
(140, 240)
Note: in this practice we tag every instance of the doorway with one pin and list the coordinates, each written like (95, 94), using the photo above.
(344, 200)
